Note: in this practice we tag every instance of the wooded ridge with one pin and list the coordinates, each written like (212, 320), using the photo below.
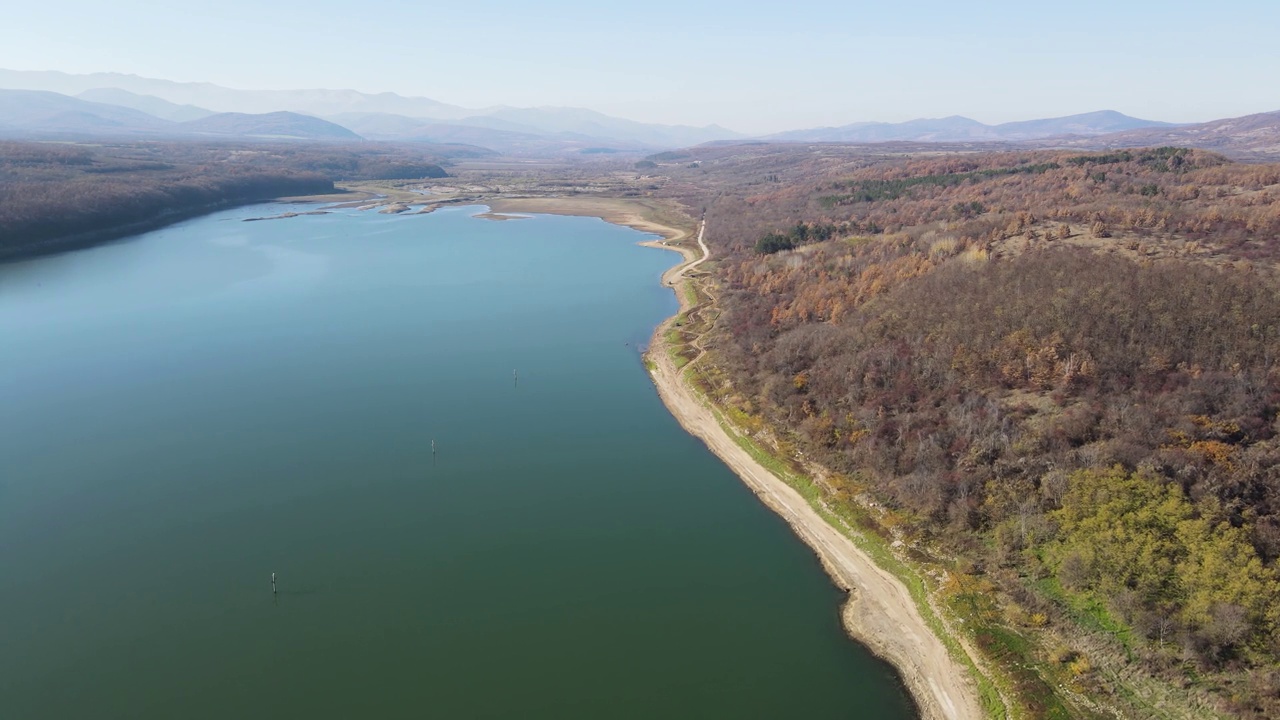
(1054, 374)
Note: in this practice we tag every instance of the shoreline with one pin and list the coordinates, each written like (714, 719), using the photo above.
(117, 233)
(617, 211)
(880, 613)
(163, 219)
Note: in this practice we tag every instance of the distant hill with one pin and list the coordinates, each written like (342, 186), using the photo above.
(961, 129)
(273, 125)
(218, 98)
(112, 102)
(1094, 123)
(552, 121)
(949, 128)
(35, 111)
(149, 104)
(1252, 136)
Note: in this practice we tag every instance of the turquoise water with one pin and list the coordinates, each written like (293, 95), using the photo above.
(186, 412)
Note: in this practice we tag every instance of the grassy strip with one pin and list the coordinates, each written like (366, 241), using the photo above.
(1091, 614)
(690, 293)
(1088, 612)
(678, 357)
(675, 343)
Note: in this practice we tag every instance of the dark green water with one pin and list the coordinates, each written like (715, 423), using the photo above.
(184, 413)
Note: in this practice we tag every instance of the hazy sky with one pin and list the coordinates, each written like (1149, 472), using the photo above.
(750, 66)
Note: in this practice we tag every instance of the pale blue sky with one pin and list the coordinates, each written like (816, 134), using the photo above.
(754, 67)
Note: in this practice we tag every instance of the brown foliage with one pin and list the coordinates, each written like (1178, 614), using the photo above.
(983, 325)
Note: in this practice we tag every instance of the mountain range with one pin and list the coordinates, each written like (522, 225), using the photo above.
(48, 103)
(42, 114)
(149, 104)
(961, 129)
(1256, 136)
(416, 118)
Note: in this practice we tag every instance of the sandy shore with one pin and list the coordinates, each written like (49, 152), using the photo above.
(880, 612)
(339, 195)
(630, 213)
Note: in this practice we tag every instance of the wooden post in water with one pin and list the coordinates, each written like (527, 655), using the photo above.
(273, 583)
(515, 378)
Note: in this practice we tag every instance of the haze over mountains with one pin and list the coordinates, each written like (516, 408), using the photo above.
(1255, 135)
(149, 104)
(41, 114)
(406, 118)
(956, 128)
(40, 103)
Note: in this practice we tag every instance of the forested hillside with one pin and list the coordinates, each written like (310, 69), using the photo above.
(1052, 375)
(55, 195)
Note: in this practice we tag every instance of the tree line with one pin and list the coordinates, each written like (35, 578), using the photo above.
(52, 194)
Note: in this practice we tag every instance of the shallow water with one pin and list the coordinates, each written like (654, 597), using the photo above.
(186, 412)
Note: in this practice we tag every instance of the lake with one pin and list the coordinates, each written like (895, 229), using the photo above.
(186, 412)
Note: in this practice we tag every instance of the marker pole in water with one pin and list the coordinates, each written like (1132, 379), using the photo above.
(273, 583)
(515, 378)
